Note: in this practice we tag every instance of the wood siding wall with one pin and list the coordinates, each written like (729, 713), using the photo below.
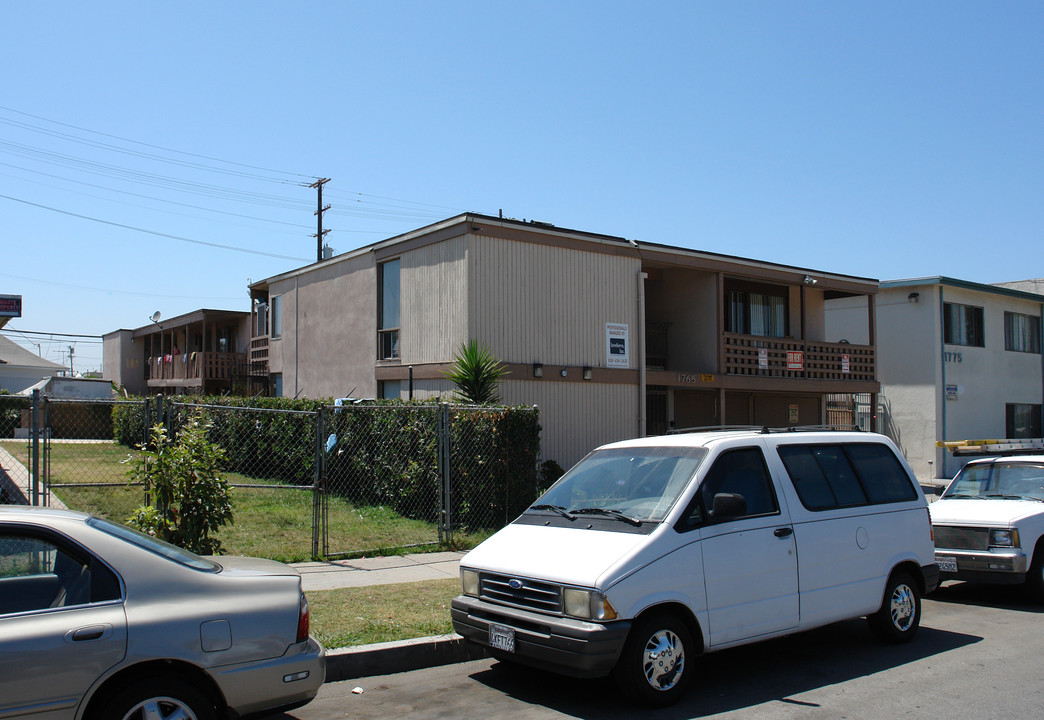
(434, 290)
(539, 303)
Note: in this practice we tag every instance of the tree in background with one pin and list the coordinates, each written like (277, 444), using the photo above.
(190, 497)
(476, 372)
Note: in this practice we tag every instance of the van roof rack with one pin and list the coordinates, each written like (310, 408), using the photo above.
(765, 429)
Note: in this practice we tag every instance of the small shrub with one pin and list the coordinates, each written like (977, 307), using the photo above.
(191, 499)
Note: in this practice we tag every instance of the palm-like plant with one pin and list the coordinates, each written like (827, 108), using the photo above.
(476, 372)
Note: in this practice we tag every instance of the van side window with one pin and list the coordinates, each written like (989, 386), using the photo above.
(742, 472)
(883, 475)
(845, 475)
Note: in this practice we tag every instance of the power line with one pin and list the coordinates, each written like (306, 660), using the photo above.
(155, 232)
(111, 291)
(52, 334)
(135, 142)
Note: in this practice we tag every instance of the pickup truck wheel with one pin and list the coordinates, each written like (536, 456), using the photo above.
(1035, 576)
(900, 614)
(656, 663)
(160, 699)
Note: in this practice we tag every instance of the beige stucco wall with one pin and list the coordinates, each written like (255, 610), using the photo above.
(330, 322)
(914, 368)
(123, 361)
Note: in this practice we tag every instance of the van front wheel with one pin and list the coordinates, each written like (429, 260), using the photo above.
(900, 614)
(656, 662)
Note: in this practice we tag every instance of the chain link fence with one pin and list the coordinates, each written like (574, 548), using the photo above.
(333, 481)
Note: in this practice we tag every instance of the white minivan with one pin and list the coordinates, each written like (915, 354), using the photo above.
(650, 552)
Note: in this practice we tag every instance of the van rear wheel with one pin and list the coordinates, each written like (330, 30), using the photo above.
(900, 614)
(656, 663)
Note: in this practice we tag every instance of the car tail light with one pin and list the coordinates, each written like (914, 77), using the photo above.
(931, 528)
(303, 621)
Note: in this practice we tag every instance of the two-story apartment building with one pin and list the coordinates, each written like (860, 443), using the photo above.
(611, 338)
(202, 352)
(957, 361)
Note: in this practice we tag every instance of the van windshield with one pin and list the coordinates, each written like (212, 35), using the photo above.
(630, 484)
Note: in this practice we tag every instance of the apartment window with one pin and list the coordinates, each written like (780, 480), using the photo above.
(963, 325)
(1022, 420)
(390, 389)
(388, 310)
(760, 312)
(277, 384)
(277, 317)
(1021, 332)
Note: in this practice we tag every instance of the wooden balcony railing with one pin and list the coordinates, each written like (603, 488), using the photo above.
(196, 366)
(788, 358)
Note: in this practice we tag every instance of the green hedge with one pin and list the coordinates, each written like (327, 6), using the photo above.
(386, 454)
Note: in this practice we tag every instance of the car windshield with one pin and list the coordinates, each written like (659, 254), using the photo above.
(628, 484)
(165, 549)
(1011, 480)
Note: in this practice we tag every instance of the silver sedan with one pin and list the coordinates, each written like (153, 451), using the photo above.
(101, 622)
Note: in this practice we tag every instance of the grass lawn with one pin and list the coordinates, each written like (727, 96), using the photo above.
(382, 613)
(273, 521)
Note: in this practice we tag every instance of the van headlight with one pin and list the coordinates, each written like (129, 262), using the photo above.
(469, 582)
(587, 604)
(1004, 538)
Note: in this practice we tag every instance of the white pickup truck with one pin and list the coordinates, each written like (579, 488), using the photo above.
(989, 522)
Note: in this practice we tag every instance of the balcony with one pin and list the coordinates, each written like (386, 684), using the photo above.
(259, 356)
(194, 368)
(798, 359)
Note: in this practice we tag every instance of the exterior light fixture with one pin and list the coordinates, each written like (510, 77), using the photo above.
(565, 371)
(538, 370)
(587, 373)
(809, 280)
(913, 297)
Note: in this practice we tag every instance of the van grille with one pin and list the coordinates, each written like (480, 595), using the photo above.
(961, 538)
(530, 594)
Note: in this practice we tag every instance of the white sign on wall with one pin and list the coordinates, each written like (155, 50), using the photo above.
(617, 349)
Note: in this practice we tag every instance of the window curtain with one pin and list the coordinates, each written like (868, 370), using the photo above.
(767, 315)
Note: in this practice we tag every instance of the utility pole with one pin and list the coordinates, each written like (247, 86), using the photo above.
(320, 233)
(72, 372)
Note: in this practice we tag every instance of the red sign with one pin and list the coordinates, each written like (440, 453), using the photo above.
(795, 360)
(846, 365)
(11, 306)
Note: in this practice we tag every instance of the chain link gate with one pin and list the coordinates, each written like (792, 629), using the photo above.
(337, 481)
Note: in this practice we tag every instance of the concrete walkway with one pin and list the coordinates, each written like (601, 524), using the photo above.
(379, 570)
(15, 483)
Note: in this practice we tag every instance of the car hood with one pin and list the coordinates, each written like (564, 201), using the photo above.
(252, 567)
(563, 555)
(983, 513)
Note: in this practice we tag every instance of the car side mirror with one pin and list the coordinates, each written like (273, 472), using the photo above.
(728, 505)
(939, 489)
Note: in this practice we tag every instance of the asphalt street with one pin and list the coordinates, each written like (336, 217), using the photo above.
(977, 655)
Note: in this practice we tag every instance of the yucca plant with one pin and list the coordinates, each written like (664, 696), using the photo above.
(476, 372)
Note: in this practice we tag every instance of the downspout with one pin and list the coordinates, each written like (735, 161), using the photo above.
(297, 329)
(941, 457)
(641, 354)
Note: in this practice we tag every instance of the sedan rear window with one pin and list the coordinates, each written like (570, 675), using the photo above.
(155, 545)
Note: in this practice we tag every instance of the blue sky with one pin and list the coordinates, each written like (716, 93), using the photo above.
(154, 156)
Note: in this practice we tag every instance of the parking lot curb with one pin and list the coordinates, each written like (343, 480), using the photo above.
(399, 656)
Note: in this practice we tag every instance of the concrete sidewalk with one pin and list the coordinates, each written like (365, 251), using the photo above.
(379, 570)
(391, 657)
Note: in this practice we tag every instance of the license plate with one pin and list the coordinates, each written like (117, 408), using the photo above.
(946, 564)
(502, 638)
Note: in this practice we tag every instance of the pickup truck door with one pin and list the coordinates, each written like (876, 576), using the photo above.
(749, 559)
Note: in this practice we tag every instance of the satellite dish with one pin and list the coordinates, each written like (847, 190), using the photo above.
(155, 316)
